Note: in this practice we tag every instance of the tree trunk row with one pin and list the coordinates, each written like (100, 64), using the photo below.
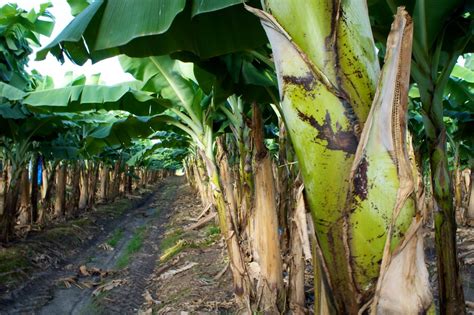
(45, 190)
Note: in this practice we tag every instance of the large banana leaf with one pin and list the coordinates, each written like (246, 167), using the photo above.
(94, 97)
(169, 141)
(121, 131)
(161, 75)
(157, 27)
(10, 93)
(249, 73)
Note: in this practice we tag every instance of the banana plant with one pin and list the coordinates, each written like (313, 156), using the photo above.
(16, 139)
(338, 71)
(363, 232)
(193, 112)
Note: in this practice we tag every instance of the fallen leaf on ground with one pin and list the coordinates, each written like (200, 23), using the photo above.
(90, 284)
(172, 250)
(109, 286)
(149, 299)
(221, 273)
(83, 270)
(106, 247)
(93, 271)
(145, 312)
(173, 272)
(69, 281)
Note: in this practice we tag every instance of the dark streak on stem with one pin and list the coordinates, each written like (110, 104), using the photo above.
(340, 140)
(360, 179)
(307, 82)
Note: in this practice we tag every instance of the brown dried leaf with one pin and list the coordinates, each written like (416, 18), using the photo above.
(106, 247)
(69, 281)
(83, 271)
(173, 272)
(149, 299)
(109, 286)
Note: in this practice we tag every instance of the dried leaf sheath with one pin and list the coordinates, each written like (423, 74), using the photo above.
(379, 169)
(382, 192)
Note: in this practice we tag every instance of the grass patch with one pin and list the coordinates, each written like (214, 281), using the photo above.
(116, 237)
(133, 246)
(13, 264)
(213, 230)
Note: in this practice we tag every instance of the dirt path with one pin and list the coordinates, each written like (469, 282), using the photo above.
(135, 240)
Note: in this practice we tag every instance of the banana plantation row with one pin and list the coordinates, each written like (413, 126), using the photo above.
(41, 191)
(275, 109)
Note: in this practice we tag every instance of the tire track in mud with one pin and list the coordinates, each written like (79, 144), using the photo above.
(46, 295)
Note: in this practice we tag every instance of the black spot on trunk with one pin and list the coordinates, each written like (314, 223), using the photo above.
(307, 81)
(337, 140)
(360, 179)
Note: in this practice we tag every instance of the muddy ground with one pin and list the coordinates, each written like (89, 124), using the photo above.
(108, 262)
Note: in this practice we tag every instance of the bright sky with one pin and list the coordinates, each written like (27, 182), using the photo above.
(110, 70)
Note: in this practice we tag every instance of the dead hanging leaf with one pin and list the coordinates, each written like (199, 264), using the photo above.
(106, 247)
(109, 286)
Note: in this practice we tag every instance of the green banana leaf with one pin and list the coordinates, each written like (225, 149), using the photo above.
(95, 97)
(157, 27)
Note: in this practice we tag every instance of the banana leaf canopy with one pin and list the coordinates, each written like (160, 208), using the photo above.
(201, 29)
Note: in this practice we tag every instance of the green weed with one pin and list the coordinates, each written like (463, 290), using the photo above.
(13, 264)
(133, 246)
(116, 237)
(213, 230)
